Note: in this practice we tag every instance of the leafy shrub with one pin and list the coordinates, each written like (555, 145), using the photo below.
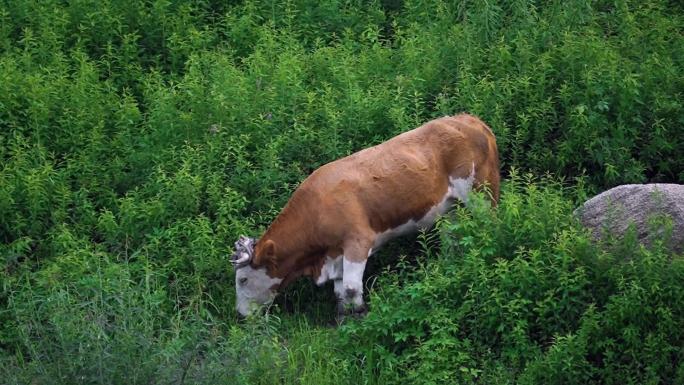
(139, 139)
(520, 294)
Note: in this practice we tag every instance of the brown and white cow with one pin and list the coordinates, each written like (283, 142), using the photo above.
(345, 210)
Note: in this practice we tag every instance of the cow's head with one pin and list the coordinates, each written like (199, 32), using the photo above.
(254, 288)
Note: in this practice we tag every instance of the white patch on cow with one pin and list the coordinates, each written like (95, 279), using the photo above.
(370, 252)
(253, 289)
(332, 269)
(459, 188)
(352, 281)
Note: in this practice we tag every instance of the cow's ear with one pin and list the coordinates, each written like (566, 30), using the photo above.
(267, 254)
(269, 249)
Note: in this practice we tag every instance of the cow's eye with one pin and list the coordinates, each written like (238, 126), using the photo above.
(243, 280)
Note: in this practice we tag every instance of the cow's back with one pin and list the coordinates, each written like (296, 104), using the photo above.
(387, 185)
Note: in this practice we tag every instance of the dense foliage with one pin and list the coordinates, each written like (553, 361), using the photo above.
(529, 301)
(139, 139)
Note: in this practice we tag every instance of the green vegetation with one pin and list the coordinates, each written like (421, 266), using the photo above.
(139, 139)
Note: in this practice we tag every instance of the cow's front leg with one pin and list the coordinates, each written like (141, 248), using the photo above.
(349, 289)
(339, 293)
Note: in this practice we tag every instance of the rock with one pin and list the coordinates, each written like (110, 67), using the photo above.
(612, 212)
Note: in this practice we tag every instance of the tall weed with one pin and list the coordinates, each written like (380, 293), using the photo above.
(139, 139)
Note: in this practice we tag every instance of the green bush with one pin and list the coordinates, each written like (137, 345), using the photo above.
(139, 139)
(521, 295)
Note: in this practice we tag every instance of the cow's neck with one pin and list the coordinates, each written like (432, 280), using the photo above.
(291, 234)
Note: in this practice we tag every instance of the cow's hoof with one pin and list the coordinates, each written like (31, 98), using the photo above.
(345, 312)
(360, 311)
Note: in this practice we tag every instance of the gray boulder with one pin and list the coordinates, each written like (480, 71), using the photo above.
(643, 205)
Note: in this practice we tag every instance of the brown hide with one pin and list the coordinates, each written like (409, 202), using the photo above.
(344, 204)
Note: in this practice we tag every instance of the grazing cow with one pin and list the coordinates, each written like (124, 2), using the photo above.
(345, 210)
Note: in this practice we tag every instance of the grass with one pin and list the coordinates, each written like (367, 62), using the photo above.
(139, 139)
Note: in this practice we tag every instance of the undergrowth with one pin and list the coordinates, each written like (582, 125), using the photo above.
(139, 139)
(521, 295)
